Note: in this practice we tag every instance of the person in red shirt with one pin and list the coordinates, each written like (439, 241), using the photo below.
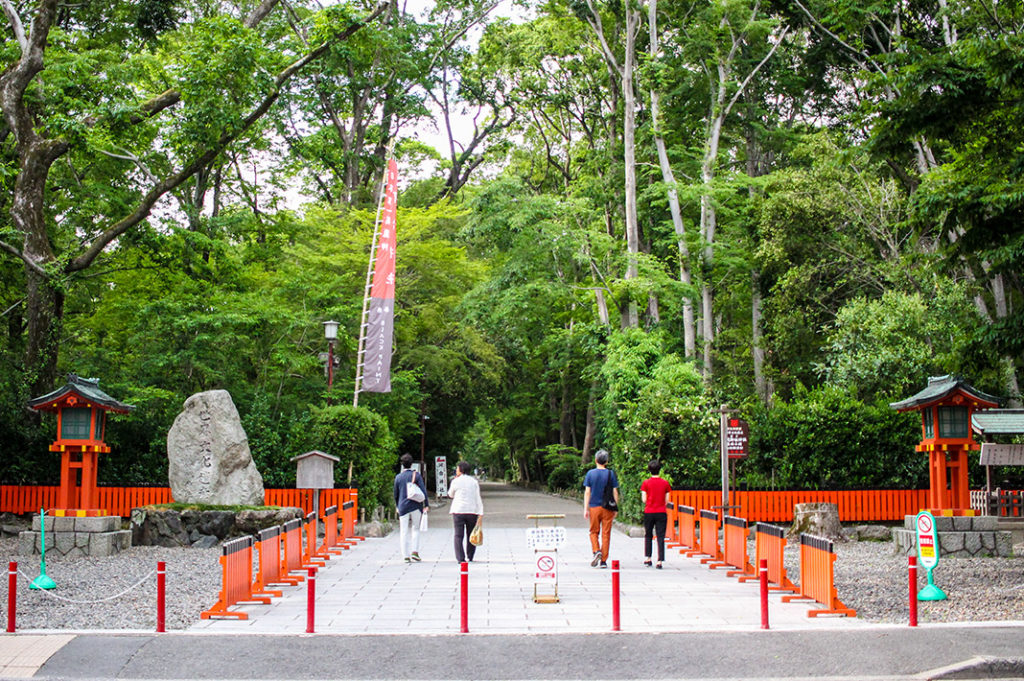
(654, 491)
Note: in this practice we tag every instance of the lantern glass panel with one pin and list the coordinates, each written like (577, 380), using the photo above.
(929, 422)
(953, 422)
(75, 423)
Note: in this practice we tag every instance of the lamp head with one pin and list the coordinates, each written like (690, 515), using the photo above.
(331, 330)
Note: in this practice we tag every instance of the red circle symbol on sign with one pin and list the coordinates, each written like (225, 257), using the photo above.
(545, 563)
(924, 523)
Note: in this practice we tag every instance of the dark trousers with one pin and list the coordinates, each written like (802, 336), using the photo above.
(655, 522)
(464, 524)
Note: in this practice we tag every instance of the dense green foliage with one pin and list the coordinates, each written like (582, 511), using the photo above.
(828, 203)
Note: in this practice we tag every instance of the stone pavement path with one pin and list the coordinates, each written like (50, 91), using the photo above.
(371, 590)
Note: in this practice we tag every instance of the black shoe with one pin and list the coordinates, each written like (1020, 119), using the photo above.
(597, 559)
(658, 566)
(603, 565)
(647, 562)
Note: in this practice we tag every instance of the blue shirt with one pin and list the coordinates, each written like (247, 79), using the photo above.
(406, 505)
(599, 480)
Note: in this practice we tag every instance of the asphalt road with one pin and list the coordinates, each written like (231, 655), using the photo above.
(878, 653)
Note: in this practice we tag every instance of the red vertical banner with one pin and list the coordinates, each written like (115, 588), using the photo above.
(380, 321)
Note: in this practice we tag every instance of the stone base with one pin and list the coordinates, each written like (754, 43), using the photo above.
(70, 537)
(201, 529)
(959, 537)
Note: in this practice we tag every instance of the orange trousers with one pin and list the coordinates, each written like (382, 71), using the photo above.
(601, 530)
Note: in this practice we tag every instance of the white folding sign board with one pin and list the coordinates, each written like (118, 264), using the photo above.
(545, 538)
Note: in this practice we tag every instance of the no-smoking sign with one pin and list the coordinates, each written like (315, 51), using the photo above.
(547, 568)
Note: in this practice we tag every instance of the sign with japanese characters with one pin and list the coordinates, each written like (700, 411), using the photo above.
(737, 437)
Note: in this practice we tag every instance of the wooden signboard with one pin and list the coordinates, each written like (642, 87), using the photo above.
(1002, 455)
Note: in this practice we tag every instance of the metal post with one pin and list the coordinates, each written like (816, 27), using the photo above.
(464, 579)
(762, 567)
(615, 597)
(912, 568)
(310, 601)
(723, 424)
(161, 601)
(330, 364)
(12, 595)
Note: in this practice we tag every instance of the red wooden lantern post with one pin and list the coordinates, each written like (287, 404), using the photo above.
(946, 406)
(81, 409)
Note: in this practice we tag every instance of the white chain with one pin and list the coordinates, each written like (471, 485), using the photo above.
(100, 600)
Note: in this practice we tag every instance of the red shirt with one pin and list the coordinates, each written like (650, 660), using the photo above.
(656, 489)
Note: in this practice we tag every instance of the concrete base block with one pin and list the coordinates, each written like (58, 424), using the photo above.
(952, 544)
(72, 544)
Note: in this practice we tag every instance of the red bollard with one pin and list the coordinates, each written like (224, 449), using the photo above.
(912, 565)
(615, 596)
(310, 600)
(464, 579)
(12, 595)
(762, 567)
(161, 601)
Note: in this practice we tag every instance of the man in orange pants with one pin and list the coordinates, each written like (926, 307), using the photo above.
(600, 504)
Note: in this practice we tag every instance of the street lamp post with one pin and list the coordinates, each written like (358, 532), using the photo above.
(331, 334)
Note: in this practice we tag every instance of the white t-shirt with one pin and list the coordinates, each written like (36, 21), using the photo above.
(465, 495)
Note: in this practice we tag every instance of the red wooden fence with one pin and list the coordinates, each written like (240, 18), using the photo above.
(121, 500)
(854, 505)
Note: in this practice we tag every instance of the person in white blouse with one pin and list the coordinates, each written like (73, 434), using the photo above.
(466, 509)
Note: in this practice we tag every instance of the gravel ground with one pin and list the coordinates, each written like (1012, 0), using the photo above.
(870, 578)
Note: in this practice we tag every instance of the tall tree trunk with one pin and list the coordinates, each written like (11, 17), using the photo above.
(629, 146)
(668, 177)
(591, 428)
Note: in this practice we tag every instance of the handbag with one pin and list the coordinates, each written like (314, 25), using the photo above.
(476, 537)
(413, 491)
(609, 496)
(423, 522)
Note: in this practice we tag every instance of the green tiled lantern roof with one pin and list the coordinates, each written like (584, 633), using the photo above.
(89, 388)
(940, 387)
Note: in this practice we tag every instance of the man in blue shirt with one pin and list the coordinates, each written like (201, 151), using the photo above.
(600, 484)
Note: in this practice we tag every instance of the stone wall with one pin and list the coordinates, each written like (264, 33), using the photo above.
(959, 537)
(201, 529)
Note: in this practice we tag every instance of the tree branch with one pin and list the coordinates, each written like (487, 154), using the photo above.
(16, 25)
(157, 191)
(21, 256)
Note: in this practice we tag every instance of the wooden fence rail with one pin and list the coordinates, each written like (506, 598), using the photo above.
(854, 505)
(121, 500)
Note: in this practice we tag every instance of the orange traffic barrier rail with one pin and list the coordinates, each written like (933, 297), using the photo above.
(293, 550)
(687, 530)
(236, 580)
(734, 539)
(817, 577)
(770, 545)
(330, 544)
(310, 557)
(348, 517)
(671, 533)
(709, 537)
(268, 570)
(353, 511)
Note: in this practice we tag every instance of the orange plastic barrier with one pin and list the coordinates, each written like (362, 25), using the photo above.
(310, 557)
(353, 495)
(770, 544)
(293, 550)
(236, 580)
(348, 516)
(868, 505)
(268, 571)
(687, 530)
(671, 534)
(709, 537)
(734, 538)
(817, 577)
(330, 544)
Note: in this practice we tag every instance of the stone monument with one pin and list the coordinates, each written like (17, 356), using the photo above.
(209, 461)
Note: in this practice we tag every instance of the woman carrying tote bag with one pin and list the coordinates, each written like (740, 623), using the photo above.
(466, 509)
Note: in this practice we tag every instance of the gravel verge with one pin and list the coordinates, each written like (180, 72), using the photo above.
(870, 578)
